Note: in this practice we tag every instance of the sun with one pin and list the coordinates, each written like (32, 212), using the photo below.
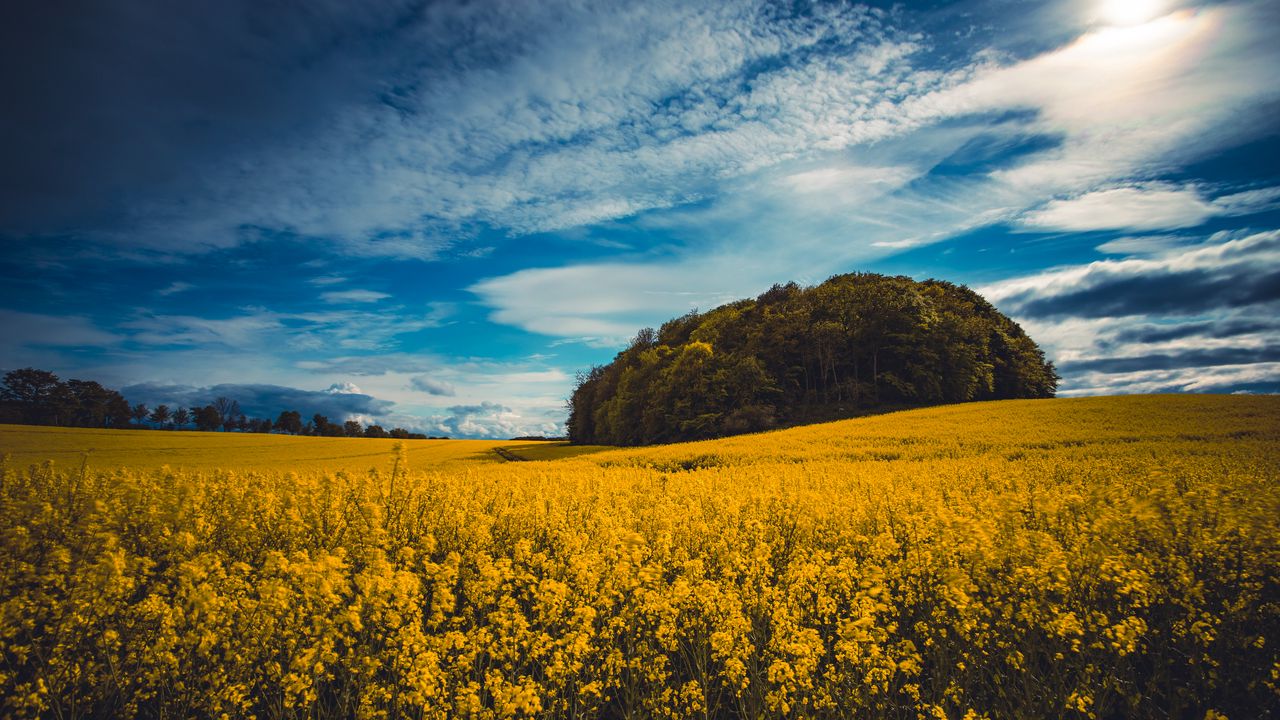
(1128, 12)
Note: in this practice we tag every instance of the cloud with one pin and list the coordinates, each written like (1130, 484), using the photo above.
(395, 130)
(261, 400)
(1248, 202)
(531, 118)
(1263, 377)
(1078, 122)
(431, 386)
(344, 388)
(353, 296)
(1142, 244)
(1193, 318)
(1128, 100)
(379, 364)
(492, 420)
(850, 178)
(1225, 328)
(1136, 207)
(174, 288)
(34, 330)
(323, 280)
(1161, 361)
(611, 300)
(1216, 275)
(1144, 206)
(271, 331)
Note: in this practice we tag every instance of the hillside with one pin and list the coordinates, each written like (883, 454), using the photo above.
(1095, 557)
(852, 345)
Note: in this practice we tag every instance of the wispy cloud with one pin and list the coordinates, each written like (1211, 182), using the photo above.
(1137, 207)
(1145, 206)
(353, 296)
(1082, 121)
(174, 288)
(325, 280)
(432, 386)
(257, 329)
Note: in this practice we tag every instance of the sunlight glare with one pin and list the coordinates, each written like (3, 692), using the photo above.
(1129, 12)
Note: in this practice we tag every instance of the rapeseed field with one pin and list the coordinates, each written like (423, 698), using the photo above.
(1091, 558)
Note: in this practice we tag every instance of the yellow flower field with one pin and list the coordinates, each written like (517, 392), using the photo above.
(1102, 557)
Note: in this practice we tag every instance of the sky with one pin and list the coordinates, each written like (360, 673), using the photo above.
(433, 214)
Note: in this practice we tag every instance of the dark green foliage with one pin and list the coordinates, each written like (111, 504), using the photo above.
(853, 344)
(207, 418)
(290, 421)
(38, 397)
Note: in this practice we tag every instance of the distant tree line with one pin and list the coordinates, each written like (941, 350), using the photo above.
(38, 397)
(853, 344)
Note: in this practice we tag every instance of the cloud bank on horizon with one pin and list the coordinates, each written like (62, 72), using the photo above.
(456, 206)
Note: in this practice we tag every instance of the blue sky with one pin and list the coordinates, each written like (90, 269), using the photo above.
(432, 214)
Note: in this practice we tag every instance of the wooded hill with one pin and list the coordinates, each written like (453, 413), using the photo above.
(854, 344)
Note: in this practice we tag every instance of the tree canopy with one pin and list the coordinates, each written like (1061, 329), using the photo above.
(853, 344)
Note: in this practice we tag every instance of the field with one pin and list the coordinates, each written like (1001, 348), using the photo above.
(1101, 557)
(245, 452)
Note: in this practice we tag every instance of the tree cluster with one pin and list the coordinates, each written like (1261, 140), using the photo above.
(853, 344)
(37, 397)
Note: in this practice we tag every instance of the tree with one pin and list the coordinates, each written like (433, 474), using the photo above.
(160, 415)
(117, 410)
(207, 418)
(139, 413)
(90, 401)
(227, 408)
(319, 424)
(290, 421)
(95, 406)
(181, 417)
(32, 393)
(375, 431)
(352, 428)
(854, 342)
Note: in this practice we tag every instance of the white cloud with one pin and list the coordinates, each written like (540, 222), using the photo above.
(1223, 257)
(269, 331)
(597, 112)
(1119, 103)
(1127, 99)
(608, 300)
(493, 420)
(1248, 202)
(1196, 379)
(323, 280)
(1142, 244)
(1134, 207)
(1144, 206)
(353, 296)
(432, 386)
